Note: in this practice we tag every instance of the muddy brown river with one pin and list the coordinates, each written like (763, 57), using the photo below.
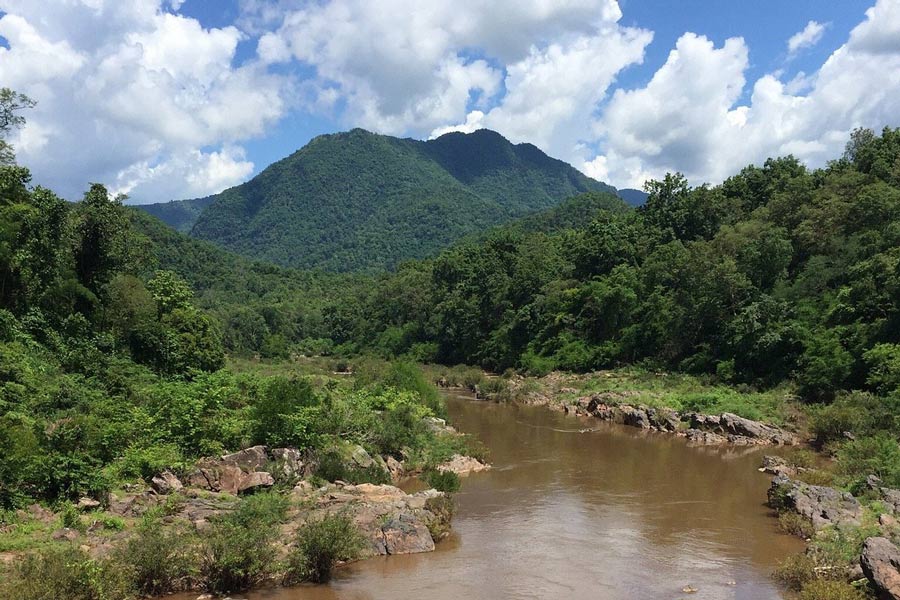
(612, 514)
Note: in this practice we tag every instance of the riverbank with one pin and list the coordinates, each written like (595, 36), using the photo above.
(850, 527)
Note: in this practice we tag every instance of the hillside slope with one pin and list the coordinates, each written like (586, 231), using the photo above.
(358, 201)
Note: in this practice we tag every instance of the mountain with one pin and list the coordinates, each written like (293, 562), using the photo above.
(632, 196)
(359, 201)
(178, 214)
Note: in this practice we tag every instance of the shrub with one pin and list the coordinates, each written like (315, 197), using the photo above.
(442, 481)
(70, 518)
(879, 455)
(238, 553)
(333, 467)
(821, 589)
(442, 507)
(63, 572)
(796, 524)
(156, 559)
(796, 571)
(320, 545)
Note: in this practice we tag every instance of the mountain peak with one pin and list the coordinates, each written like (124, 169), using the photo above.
(358, 200)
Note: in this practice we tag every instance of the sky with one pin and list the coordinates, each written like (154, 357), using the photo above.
(170, 99)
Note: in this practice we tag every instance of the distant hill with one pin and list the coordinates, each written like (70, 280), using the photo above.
(358, 201)
(632, 196)
(178, 214)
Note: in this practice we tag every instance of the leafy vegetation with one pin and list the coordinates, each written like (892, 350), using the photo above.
(321, 544)
(358, 201)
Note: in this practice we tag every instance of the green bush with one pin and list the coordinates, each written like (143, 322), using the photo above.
(64, 572)
(238, 553)
(877, 455)
(796, 524)
(333, 466)
(158, 559)
(442, 507)
(320, 545)
(442, 481)
(796, 571)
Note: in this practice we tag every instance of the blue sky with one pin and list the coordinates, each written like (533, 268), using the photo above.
(165, 99)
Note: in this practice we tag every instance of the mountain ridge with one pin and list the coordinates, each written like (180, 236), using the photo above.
(359, 201)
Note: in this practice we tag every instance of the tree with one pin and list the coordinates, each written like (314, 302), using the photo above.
(11, 103)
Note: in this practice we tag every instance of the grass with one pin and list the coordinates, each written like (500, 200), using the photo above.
(320, 545)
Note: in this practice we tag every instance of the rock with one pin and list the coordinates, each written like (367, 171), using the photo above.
(697, 437)
(303, 488)
(755, 430)
(463, 465)
(822, 505)
(886, 520)
(289, 461)
(395, 468)
(249, 459)
(664, 419)
(776, 465)
(166, 483)
(880, 561)
(436, 425)
(404, 534)
(229, 479)
(85, 503)
(362, 458)
(254, 480)
(635, 416)
(39, 513)
(65, 534)
(890, 497)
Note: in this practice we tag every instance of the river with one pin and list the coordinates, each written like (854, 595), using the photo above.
(612, 514)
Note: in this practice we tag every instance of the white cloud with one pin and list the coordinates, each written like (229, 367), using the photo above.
(133, 95)
(809, 36)
(418, 73)
(688, 118)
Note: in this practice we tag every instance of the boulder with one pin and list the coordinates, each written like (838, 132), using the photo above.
(289, 461)
(635, 416)
(228, 478)
(85, 503)
(664, 419)
(776, 465)
(249, 459)
(880, 562)
(404, 534)
(395, 468)
(463, 465)
(361, 458)
(740, 426)
(255, 480)
(822, 505)
(66, 534)
(698, 437)
(166, 483)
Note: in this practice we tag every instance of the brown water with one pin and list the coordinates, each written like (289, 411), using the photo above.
(613, 514)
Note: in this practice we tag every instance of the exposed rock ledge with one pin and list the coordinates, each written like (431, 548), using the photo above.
(699, 429)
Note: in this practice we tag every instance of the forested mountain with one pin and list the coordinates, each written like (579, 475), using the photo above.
(178, 214)
(632, 196)
(358, 201)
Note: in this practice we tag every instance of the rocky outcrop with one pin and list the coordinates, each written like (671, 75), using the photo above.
(166, 483)
(699, 429)
(233, 473)
(393, 521)
(463, 465)
(822, 505)
(880, 561)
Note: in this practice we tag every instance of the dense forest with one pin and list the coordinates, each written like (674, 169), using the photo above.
(116, 330)
(358, 201)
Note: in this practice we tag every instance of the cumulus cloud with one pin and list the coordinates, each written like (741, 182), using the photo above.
(689, 117)
(134, 95)
(425, 70)
(807, 37)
